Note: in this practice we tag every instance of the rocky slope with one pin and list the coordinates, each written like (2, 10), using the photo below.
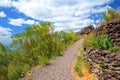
(105, 64)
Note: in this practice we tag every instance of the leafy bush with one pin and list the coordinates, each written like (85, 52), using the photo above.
(102, 42)
(110, 14)
(113, 49)
(43, 60)
(3, 73)
(14, 71)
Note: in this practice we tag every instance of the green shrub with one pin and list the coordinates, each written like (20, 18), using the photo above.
(113, 49)
(3, 73)
(102, 42)
(14, 71)
(43, 60)
(110, 14)
(25, 68)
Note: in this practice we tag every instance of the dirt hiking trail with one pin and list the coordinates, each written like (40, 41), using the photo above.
(60, 67)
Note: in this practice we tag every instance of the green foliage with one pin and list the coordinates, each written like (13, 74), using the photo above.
(81, 64)
(37, 45)
(78, 69)
(3, 73)
(2, 49)
(111, 14)
(102, 42)
(102, 63)
(113, 49)
(13, 72)
(43, 60)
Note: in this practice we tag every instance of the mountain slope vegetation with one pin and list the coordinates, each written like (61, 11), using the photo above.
(35, 46)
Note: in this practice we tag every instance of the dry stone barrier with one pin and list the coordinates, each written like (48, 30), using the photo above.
(113, 30)
(104, 64)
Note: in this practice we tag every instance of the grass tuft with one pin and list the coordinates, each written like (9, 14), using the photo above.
(81, 64)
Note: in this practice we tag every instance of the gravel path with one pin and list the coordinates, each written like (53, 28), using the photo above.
(60, 67)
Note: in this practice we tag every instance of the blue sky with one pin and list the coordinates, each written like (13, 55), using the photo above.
(15, 15)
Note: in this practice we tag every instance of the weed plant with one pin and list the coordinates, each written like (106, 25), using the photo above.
(81, 64)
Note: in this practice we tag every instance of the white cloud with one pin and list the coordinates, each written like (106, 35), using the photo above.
(77, 24)
(70, 13)
(59, 28)
(2, 14)
(5, 3)
(40, 9)
(20, 22)
(5, 35)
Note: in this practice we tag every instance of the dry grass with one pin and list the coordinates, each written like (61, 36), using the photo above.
(87, 38)
(84, 69)
(87, 75)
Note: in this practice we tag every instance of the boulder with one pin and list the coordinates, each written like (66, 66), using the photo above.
(87, 29)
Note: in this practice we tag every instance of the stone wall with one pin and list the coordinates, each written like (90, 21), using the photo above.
(113, 30)
(104, 64)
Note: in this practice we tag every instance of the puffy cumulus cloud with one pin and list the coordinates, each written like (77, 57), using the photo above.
(20, 22)
(2, 14)
(5, 3)
(41, 9)
(77, 24)
(5, 35)
(59, 28)
(63, 13)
